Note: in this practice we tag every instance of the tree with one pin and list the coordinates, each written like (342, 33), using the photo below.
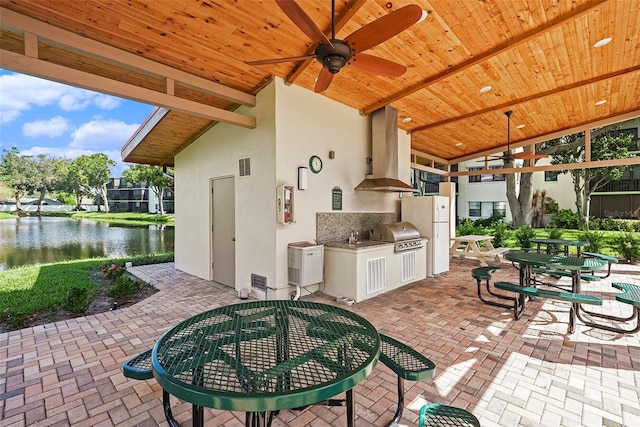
(15, 173)
(605, 145)
(89, 175)
(46, 175)
(520, 202)
(155, 178)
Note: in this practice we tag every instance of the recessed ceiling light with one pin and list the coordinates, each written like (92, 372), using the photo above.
(520, 126)
(423, 16)
(485, 89)
(601, 102)
(406, 120)
(602, 42)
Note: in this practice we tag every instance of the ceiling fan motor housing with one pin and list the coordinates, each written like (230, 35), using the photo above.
(333, 58)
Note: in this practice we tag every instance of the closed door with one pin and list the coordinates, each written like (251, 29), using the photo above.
(223, 228)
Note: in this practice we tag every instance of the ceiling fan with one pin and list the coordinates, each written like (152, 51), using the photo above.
(334, 53)
(511, 157)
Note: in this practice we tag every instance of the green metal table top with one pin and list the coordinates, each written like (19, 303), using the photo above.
(559, 242)
(265, 355)
(555, 261)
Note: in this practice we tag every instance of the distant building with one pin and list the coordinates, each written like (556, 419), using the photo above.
(124, 196)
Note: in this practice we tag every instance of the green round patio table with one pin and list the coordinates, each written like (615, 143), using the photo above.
(264, 356)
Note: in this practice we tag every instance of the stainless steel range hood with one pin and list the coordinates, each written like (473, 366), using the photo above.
(384, 153)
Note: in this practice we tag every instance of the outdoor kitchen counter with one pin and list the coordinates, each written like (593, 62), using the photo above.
(362, 244)
(363, 270)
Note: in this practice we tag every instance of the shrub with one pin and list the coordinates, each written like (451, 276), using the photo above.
(468, 227)
(112, 271)
(488, 222)
(151, 258)
(500, 234)
(77, 300)
(628, 244)
(123, 286)
(564, 218)
(595, 238)
(556, 234)
(524, 235)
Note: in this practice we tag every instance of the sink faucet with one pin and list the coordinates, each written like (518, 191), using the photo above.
(355, 235)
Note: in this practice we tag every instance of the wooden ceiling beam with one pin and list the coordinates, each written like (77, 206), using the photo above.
(563, 166)
(47, 70)
(14, 21)
(343, 17)
(484, 56)
(511, 104)
(583, 127)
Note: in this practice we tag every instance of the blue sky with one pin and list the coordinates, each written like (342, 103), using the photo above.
(42, 117)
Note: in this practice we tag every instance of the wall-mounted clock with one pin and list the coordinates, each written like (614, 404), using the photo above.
(315, 164)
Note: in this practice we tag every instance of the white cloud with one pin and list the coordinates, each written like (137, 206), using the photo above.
(106, 102)
(101, 135)
(20, 92)
(51, 128)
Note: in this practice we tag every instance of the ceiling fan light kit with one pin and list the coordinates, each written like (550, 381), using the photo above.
(334, 54)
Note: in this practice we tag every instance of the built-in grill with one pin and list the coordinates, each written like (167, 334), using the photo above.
(404, 234)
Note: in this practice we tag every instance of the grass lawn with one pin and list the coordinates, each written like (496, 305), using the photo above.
(7, 215)
(120, 217)
(606, 245)
(41, 290)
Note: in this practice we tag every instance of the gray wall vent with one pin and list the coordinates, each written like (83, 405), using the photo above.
(244, 166)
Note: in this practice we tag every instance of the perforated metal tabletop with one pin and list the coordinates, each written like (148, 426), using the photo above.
(265, 355)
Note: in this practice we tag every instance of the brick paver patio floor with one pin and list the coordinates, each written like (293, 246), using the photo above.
(528, 372)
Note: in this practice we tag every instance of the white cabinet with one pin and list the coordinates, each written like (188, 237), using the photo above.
(363, 273)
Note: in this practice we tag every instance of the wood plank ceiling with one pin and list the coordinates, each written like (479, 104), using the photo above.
(537, 55)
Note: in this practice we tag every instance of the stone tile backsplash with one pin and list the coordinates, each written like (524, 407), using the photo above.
(334, 226)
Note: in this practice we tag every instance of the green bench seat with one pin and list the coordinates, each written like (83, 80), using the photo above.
(562, 273)
(519, 303)
(545, 293)
(484, 273)
(610, 260)
(407, 364)
(139, 368)
(631, 296)
(435, 415)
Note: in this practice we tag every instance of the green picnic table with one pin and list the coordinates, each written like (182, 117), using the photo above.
(566, 244)
(263, 356)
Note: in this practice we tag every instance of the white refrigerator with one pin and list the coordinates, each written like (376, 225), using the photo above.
(430, 215)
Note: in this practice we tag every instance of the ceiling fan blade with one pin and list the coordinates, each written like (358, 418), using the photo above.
(279, 60)
(302, 21)
(384, 28)
(323, 81)
(377, 66)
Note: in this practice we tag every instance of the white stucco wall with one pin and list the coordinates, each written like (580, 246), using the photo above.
(292, 125)
(561, 190)
(216, 154)
(479, 191)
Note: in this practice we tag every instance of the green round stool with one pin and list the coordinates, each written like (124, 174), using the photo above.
(433, 414)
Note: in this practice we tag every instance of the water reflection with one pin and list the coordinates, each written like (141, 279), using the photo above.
(31, 240)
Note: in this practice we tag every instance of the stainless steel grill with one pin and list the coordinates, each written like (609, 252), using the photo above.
(404, 234)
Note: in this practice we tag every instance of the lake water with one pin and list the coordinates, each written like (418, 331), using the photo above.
(33, 240)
